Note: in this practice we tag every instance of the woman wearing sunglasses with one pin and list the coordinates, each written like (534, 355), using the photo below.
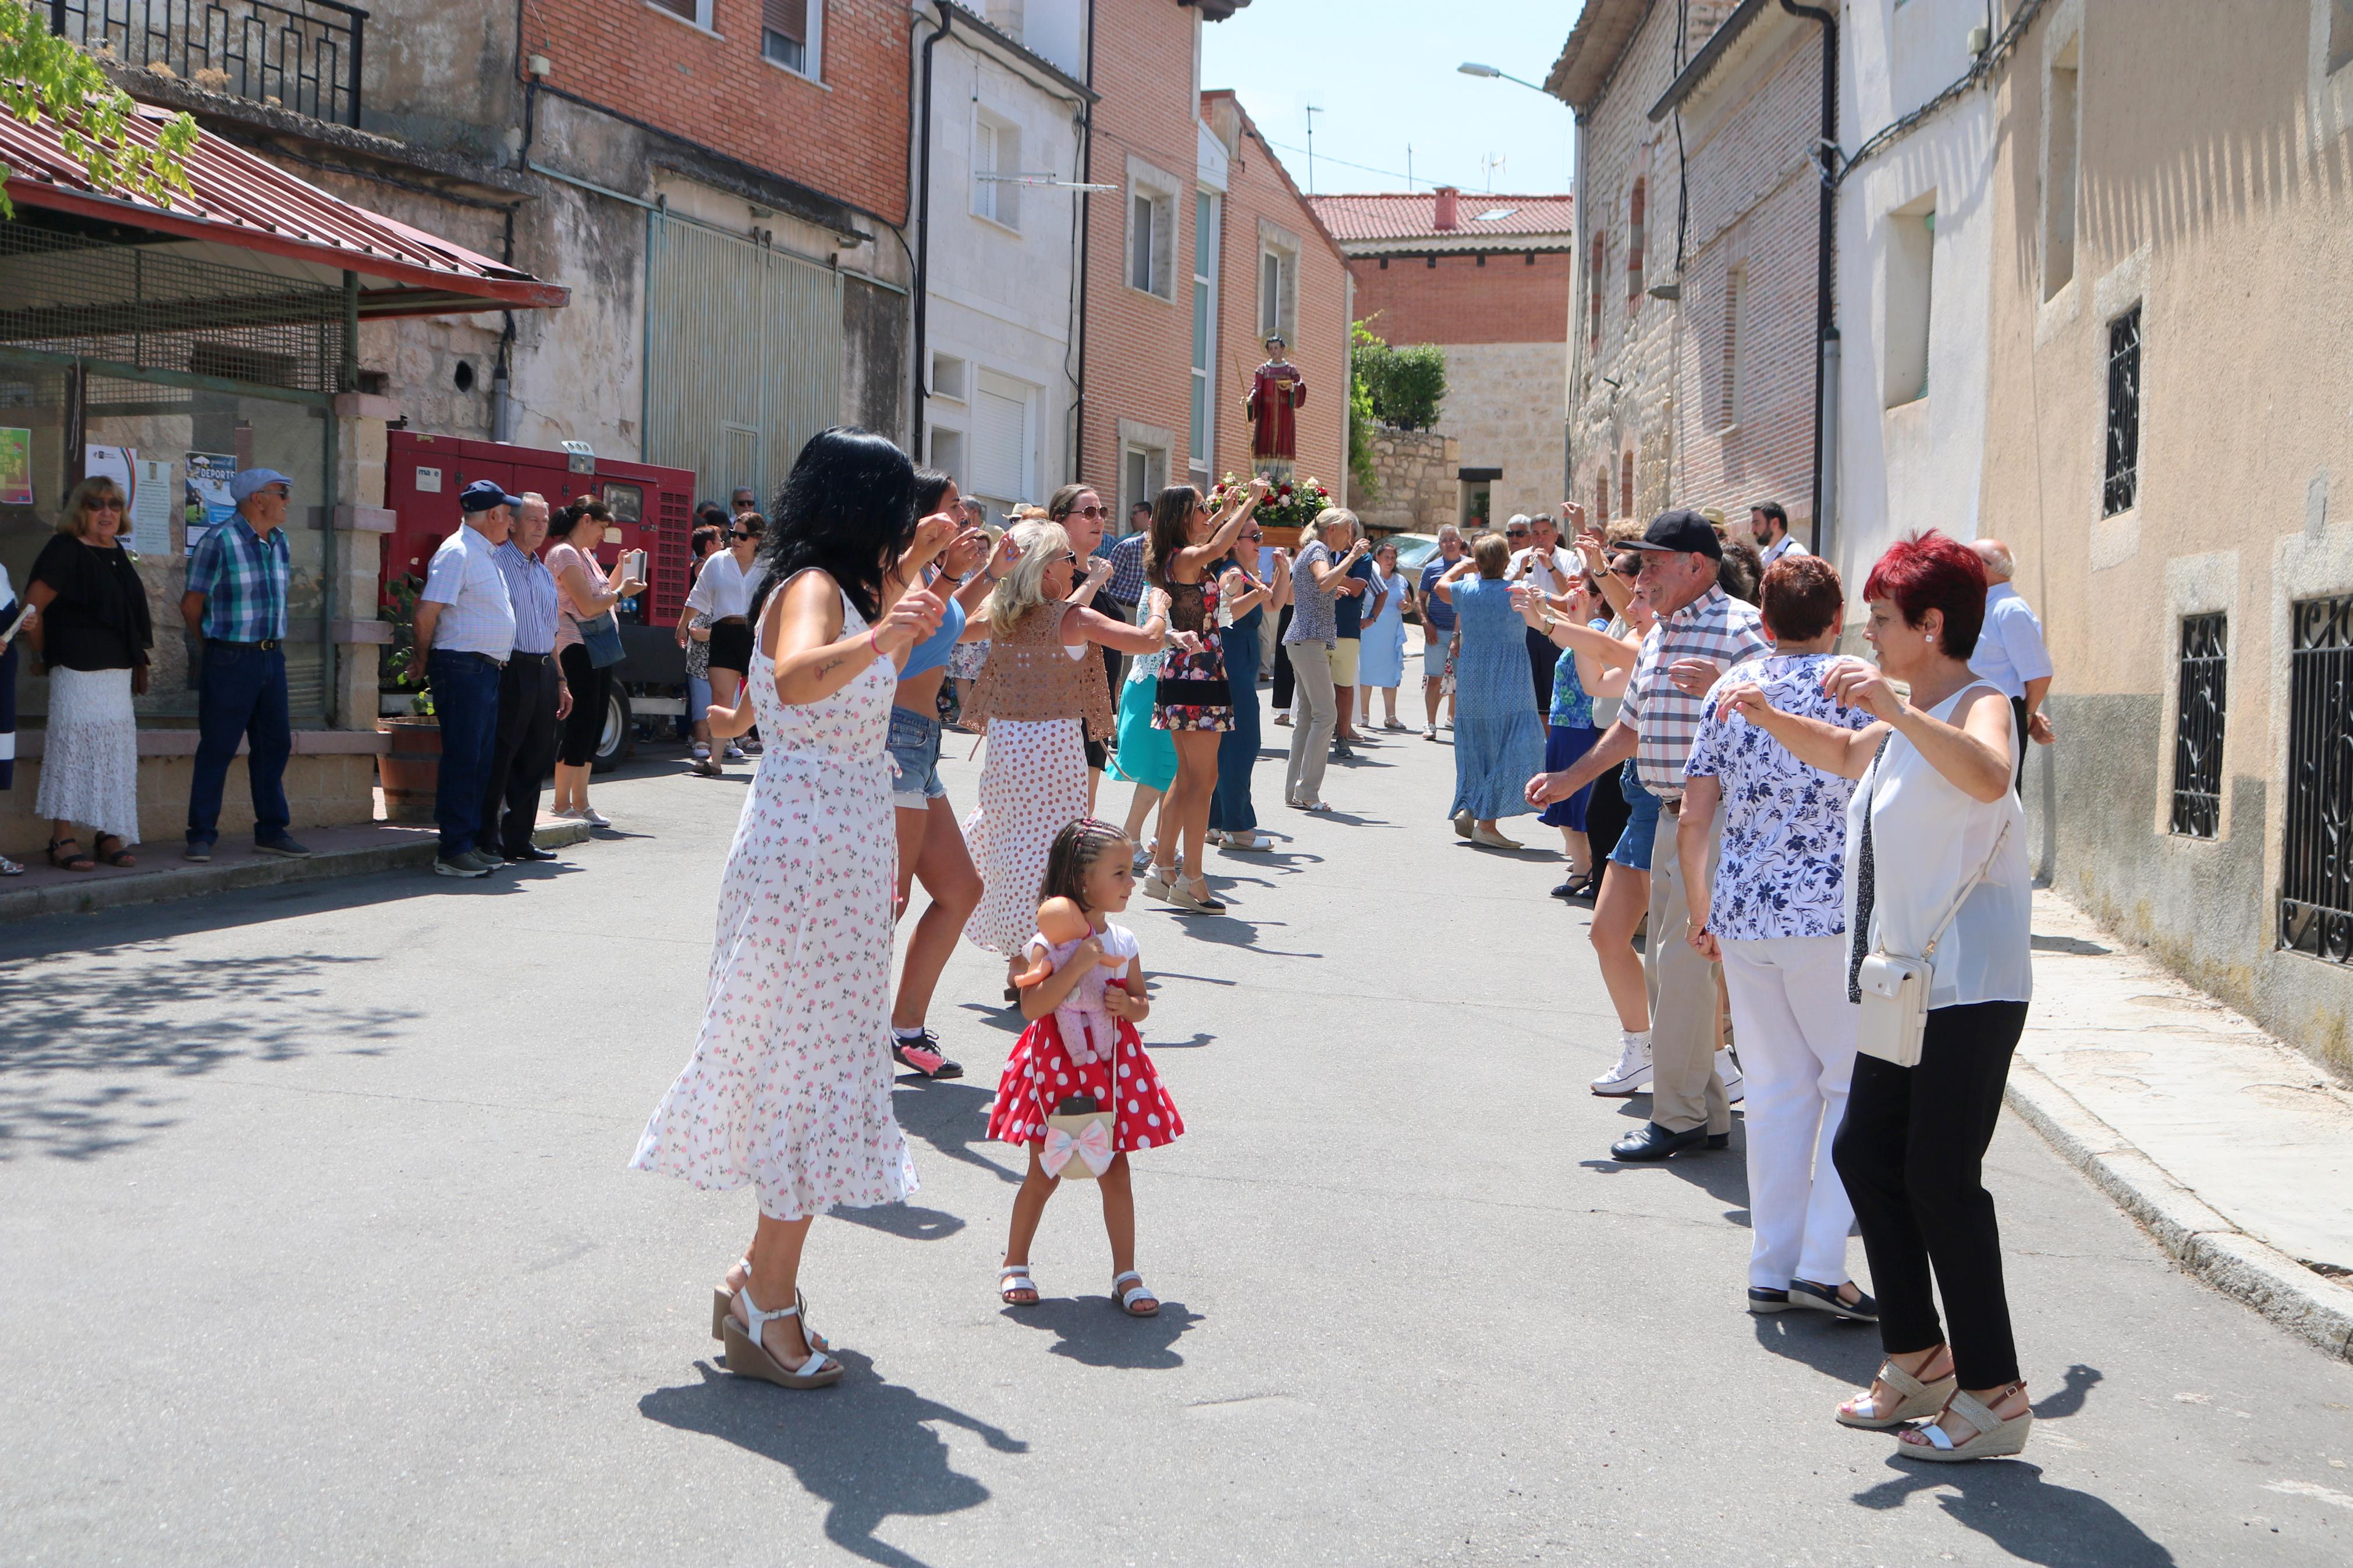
(723, 593)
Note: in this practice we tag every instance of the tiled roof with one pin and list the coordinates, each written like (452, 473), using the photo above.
(1399, 222)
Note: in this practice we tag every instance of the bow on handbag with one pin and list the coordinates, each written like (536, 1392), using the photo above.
(1090, 1145)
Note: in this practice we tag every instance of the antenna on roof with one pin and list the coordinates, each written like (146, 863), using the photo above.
(1408, 168)
(1313, 110)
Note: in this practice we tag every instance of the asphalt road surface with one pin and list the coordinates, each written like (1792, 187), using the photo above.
(317, 1246)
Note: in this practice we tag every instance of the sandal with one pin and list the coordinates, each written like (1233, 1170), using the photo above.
(1011, 1280)
(1991, 1436)
(1126, 1302)
(722, 1297)
(9, 868)
(119, 856)
(749, 1356)
(1914, 1399)
(76, 861)
(1195, 896)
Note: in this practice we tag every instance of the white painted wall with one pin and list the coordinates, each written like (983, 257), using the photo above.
(1000, 297)
(1916, 465)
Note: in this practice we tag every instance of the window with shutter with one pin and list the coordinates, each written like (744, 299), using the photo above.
(1000, 441)
(784, 32)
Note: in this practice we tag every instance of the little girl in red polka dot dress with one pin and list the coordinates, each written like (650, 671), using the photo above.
(1078, 1044)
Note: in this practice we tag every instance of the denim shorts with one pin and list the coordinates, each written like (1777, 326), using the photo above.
(1633, 850)
(915, 761)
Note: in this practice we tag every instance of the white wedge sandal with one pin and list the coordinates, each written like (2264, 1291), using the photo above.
(748, 1356)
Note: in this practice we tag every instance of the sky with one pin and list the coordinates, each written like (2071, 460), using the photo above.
(1382, 73)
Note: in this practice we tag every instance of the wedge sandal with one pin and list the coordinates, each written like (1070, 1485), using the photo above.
(1915, 1399)
(747, 1356)
(1991, 1436)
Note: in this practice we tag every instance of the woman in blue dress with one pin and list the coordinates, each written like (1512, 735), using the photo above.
(1380, 666)
(1233, 821)
(1498, 743)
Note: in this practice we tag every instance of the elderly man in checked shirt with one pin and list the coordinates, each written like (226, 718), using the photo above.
(532, 696)
(1701, 633)
(236, 607)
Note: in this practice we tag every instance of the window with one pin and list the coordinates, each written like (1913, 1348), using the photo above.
(995, 168)
(2198, 727)
(2121, 488)
(1735, 355)
(947, 451)
(947, 376)
(1593, 291)
(1626, 480)
(1205, 322)
(1000, 438)
(1910, 274)
(1151, 240)
(2315, 907)
(1270, 293)
(2059, 166)
(1144, 474)
(1634, 225)
(695, 11)
(792, 34)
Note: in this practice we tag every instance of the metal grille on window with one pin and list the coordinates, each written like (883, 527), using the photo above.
(2203, 678)
(2316, 907)
(300, 55)
(784, 32)
(2122, 488)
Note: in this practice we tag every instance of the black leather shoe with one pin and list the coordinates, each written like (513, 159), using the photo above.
(530, 852)
(1655, 1143)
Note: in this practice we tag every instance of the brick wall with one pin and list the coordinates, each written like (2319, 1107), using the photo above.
(1508, 300)
(714, 88)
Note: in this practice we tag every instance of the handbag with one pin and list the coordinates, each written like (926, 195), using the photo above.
(1893, 986)
(602, 637)
(1080, 1140)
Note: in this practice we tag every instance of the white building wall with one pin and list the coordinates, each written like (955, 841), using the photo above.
(1001, 296)
(1916, 465)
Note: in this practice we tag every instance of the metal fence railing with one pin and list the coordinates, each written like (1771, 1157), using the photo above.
(300, 55)
(2204, 679)
(2315, 907)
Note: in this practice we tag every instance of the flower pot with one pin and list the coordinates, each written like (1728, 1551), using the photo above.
(410, 768)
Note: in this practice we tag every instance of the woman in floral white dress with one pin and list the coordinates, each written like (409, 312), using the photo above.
(788, 1091)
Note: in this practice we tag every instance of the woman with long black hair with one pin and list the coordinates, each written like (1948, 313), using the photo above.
(788, 1091)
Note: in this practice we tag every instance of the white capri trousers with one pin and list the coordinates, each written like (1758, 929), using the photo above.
(1796, 1031)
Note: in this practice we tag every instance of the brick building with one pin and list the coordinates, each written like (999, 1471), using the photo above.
(1487, 279)
(1693, 343)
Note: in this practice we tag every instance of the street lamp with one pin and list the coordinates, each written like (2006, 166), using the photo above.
(1472, 68)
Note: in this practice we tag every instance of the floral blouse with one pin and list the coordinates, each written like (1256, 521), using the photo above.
(1783, 871)
(1572, 706)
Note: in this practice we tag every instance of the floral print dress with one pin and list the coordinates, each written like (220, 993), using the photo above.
(1193, 693)
(788, 1091)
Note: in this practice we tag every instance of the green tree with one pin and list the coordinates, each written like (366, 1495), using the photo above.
(1363, 484)
(44, 77)
(1406, 384)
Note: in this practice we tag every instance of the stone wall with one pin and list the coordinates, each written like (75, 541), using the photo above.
(1505, 401)
(1414, 472)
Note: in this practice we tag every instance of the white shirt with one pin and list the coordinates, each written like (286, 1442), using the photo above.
(1786, 545)
(1543, 568)
(476, 615)
(1927, 838)
(2010, 650)
(724, 588)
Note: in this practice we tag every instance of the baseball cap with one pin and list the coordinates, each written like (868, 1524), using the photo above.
(251, 482)
(484, 494)
(1682, 530)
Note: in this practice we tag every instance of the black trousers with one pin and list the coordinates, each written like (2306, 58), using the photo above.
(1912, 1154)
(1605, 816)
(525, 751)
(1543, 660)
(1283, 676)
(2018, 722)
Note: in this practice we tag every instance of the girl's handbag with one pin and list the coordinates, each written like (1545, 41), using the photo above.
(1079, 1140)
(601, 635)
(1895, 987)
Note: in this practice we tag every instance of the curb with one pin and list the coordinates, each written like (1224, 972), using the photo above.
(2195, 1236)
(199, 882)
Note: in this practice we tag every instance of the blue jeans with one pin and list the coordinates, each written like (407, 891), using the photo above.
(241, 696)
(697, 701)
(465, 699)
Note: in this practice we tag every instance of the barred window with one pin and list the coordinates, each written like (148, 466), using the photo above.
(2122, 488)
(2203, 679)
(2316, 907)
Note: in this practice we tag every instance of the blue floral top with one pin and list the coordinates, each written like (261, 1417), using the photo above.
(1784, 867)
(1570, 704)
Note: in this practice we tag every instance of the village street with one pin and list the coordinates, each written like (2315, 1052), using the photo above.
(317, 1247)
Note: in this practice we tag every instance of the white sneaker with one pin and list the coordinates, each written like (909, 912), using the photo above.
(1727, 1067)
(1632, 1076)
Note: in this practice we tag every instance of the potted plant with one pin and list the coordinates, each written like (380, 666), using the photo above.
(409, 767)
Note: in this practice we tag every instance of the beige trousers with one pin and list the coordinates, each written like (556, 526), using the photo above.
(1685, 1091)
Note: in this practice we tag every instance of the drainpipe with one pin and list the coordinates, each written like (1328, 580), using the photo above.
(923, 240)
(1825, 327)
(1086, 212)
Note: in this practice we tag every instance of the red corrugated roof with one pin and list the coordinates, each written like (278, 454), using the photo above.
(1393, 216)
(240, 198)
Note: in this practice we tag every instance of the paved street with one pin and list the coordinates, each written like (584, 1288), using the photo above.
(318, 1247)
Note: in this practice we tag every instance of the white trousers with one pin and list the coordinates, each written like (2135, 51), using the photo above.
(1796, 1031)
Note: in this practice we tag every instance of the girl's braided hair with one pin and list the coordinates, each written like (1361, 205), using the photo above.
(1079, 846)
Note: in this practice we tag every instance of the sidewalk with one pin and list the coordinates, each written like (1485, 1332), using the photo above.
(160, 874)
(2234, 1150)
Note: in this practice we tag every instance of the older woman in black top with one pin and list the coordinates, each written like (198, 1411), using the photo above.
(94, 633)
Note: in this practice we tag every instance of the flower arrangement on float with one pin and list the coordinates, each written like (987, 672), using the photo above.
(1289, 504)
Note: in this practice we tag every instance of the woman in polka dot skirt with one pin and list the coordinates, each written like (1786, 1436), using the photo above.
(1092, 865)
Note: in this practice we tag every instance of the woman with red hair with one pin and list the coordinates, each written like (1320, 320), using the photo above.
(1932, 808)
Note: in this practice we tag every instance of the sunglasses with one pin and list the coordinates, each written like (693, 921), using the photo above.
(1089, 510)
(739, 533)
(1515, 533)
(115, 505)
(1071, 556)
(1626, 569)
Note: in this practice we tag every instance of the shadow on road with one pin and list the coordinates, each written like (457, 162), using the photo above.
(128, 1010)
(1847, 1352)
(2069, 1400)
(866, 1446)
(2010, 1503)
(906, 1221)
(1093, 1331)
(951, 1118)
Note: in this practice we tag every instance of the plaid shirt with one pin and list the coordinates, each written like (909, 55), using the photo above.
(242, 576)
(1714, 627)
(1127, 582)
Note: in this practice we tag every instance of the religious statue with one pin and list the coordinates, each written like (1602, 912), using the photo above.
(1276, 389)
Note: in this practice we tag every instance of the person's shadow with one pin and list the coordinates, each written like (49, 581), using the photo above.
(2010, 1503)
(1095, 1333)
(866, 1448)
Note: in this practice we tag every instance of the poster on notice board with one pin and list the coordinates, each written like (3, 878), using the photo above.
(152, 500)
(16, 467)
(207, 501)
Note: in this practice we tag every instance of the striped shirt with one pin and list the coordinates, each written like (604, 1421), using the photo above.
(477, 616)
(1127, 580)
(531, 589)
(1714, 627)
(242, 576)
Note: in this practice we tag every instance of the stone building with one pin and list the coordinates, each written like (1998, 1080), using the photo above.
(1693, 364)
(1486, 278)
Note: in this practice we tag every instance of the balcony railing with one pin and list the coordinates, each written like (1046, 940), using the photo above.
(300, 55)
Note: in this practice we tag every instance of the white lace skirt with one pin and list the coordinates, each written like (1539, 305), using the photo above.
(89, 763)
